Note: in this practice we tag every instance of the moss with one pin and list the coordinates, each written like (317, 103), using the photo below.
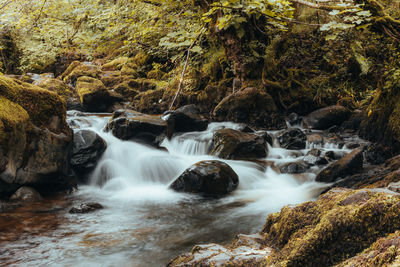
(149, 102)
(115, 64)
(337, 226)
(141, 59)
(78, 70)
(156, 74)
(88, 85)
(129, 71)
(41, 104)
(57, 86)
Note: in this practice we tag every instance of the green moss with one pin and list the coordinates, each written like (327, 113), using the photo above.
(41, 104)
(149, 101)
(115, 64)
(57, 86)
(128, 71)
(87, 85)
(156, 74)
(141, 59)
(78, 70)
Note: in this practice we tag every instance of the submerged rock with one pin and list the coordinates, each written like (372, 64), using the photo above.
(313, 157)
(261, 112)
(232, 144)
(132, 125)
(208, 178)
(185, 119)
(86, 208)
(26, 194)
(292, 139)
(349, 164)
(88, 149)
(325, 118)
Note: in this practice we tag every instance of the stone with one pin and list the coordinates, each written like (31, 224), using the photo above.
(324, 118)
(232, 144)
(293, 167)
(132, 125)
(86, 208)
(57, 86)
(185, 119)
(348, 165)
(315, 139)
(377, 153)
(313, 157)
(294, 119)
(26, 194)
(35, 139)
(292, 139)
(207, 178)
(262, 112)
(87, 150)
(79, 69)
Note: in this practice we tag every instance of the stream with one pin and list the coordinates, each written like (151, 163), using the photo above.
(144, 223)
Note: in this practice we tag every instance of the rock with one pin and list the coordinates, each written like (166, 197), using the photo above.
(315, 139)
(354, 122)
(345, 227)
(87, 150)
(395, 187)
(79, 69)
(26, 194)
(352, 145)
(294, 119)
(208, 178)
(262, 112)
(377, 153)
(35, 139)
(86, 208)
(115, 64)
(149, 102)
(232, 144)
(313, 157)
(94, 96)
(57, 86)
(292, 139)
(294, 167)
(185, 119)
(132, 125)
(350, 164)
(324, 118)
(265, 135)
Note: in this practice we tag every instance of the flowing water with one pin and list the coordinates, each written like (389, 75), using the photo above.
(144, 223)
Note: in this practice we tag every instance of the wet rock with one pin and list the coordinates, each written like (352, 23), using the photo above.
(324, 118)
(354, 122)
(313, 157)
(26, 194)
(395, 187)
(185, 119)
(208, 178)
(262, 112)
(350, 164)
(266, 136)
(86, 208)
(94, 96)
(87, 150)
(294, 167)
(292, 139)
(352, 145)
(294, 119)
(315, 139)
(132, 125)
(232, 144)
(377, 153)
(35, 139)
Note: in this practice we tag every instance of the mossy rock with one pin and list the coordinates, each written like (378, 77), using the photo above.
(57, 86)
(115, 64)
(126, 90)
(250, 105)
(149, 101)
(156, 75)
(141, 59)
(129, 71)
(79, 69)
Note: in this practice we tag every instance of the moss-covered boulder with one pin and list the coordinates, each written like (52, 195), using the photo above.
(232, 144)
(115, 64)
(93, 95)
(250, 105)
(78, 69)
(324, 118)
(57, 86)
(35, 139)
(150, 102)
(341, 225)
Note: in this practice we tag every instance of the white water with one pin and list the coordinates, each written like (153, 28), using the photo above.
(144, 223)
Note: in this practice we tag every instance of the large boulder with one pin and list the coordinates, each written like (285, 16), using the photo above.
(208, 178)
(185, 119)
(79, 69)
(87, 150)
(341, 225)
(232, 144)
(292, 139)
(57, 86)
(325, 118)
(252, 106)
(35, 139)
(349, 164)
(93, 95)
(132, 125)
